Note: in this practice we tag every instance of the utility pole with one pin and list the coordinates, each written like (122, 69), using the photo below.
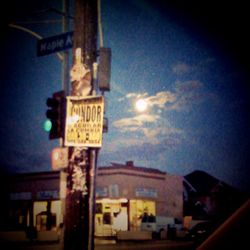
(79, 217)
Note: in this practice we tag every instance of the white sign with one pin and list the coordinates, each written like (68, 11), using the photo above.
(84, 121)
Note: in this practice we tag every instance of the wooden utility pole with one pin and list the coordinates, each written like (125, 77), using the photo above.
(80, 199)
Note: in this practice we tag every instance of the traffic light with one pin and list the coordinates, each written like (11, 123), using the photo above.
(55, 115)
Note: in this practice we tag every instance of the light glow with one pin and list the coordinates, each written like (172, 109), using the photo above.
(141, 105)
(47, 126)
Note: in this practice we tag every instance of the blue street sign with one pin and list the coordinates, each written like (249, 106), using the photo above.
(55, 44)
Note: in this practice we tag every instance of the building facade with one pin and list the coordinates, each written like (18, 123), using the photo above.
(124, 194)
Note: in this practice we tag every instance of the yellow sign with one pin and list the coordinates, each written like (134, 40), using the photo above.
(84, 121)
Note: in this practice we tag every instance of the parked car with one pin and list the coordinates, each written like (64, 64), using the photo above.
(159, 225)
(201, 231)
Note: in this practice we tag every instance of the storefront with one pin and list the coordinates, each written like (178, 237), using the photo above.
(124, 194)
(138, 208)
(33, 206)
(113, 215)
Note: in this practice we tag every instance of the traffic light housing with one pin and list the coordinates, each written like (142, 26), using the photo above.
(56, 115)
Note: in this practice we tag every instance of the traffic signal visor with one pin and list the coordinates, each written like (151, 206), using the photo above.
(55, 115)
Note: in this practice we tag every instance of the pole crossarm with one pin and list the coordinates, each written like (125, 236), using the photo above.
(36, 35)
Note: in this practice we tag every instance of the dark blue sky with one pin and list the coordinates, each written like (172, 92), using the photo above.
(187, 59)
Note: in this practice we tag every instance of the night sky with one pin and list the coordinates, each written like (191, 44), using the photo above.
(187, 59)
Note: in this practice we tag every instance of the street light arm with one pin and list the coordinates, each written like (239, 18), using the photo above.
(59, 55)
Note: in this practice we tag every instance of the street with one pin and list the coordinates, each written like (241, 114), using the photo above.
(153, 245)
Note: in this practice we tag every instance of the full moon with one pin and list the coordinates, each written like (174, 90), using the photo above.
(141, 105)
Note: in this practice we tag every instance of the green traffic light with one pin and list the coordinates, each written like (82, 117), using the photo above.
(47, 125)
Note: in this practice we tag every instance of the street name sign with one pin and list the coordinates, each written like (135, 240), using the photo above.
(55, 44)
(84, 121)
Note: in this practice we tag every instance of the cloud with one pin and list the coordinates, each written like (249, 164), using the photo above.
(188, 86)
(166, 136)
(122, 143)
(161, 132)
(146, 129)
(135, 122)
(133, 96)
(184, 95)
(182, 68)
(136, 95)
(161, 98)
(187, 93)
(142, 151)
(153, 128)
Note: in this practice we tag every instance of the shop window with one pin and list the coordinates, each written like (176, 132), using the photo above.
(98, 208)
(148, 218)
(45, 221)
(151, 218)
(141, 211)
(17, 216)
(107, 218)
(47, 215)
(113, 190)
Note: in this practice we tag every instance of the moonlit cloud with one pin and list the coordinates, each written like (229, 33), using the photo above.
(133, 96)
(124, 142)
(161, 98)
(185, 94)
(158, 100)
(162, 131)
(136, 121)
(181, 68)
(188, 93)
(136, 95)
(151, 127)
(152, 124)
(188, 86)
(145, 129)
